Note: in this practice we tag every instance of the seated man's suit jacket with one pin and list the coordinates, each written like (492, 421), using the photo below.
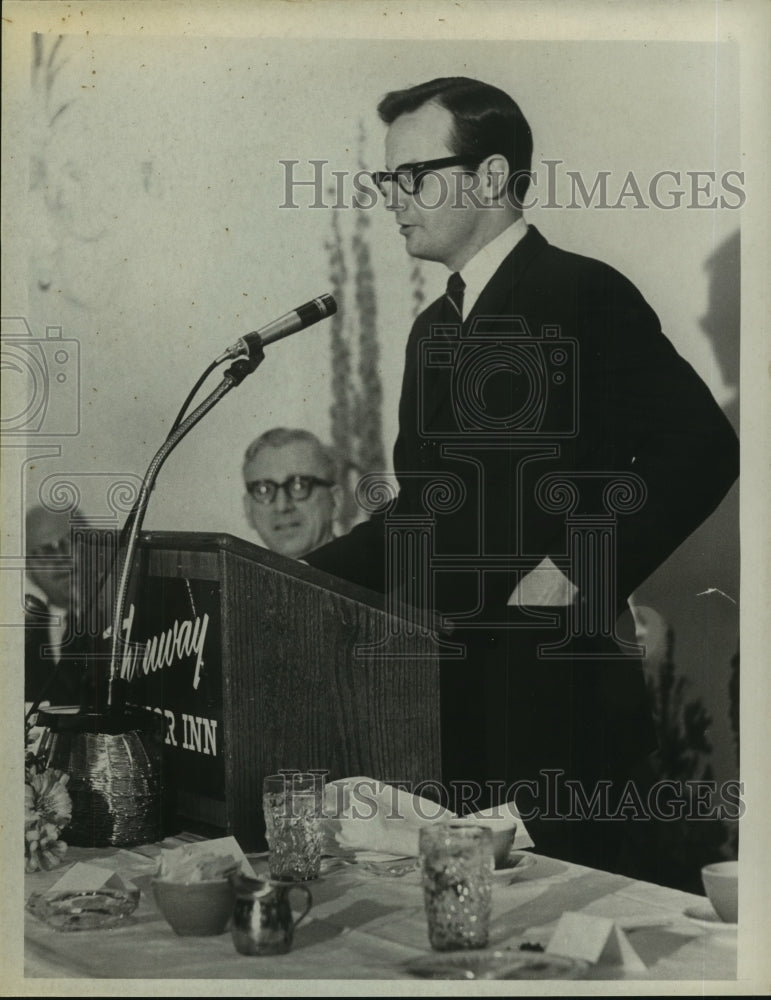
(44, 676)
(559, 374)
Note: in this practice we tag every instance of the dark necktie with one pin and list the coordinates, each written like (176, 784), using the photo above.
(454, 296)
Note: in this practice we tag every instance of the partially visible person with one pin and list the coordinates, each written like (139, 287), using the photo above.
(50, 607)
(292, 496)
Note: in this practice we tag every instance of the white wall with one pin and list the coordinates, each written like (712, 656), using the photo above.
(171, 241)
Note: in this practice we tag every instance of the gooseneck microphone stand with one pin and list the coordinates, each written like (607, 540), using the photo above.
(253, 345)
(233, 377)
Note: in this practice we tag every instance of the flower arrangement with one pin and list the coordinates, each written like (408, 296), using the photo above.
(47, 811)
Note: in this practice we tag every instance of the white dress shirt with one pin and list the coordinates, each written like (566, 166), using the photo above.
(486, 262)
(57, 621)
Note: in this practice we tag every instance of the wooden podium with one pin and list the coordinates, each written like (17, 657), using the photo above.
(259, 663)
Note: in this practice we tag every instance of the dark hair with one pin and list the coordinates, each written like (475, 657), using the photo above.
(486, 121)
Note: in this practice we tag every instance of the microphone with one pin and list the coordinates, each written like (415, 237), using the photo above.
(304, 315)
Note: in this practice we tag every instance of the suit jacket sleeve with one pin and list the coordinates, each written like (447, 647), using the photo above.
(647, 411)
(358, 556)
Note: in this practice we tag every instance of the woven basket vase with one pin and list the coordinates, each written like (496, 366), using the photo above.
(114, 766)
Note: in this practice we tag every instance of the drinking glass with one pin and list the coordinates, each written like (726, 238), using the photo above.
(457, 863)
(292, 805)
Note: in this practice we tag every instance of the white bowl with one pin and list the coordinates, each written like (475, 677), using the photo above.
(721, 883)
(503, 826)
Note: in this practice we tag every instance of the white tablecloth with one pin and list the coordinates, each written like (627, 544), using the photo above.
(367, 926)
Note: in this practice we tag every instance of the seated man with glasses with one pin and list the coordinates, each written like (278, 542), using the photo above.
(292, 497)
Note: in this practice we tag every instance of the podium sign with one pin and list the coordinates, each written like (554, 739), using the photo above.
(173, 666)
(252, 660)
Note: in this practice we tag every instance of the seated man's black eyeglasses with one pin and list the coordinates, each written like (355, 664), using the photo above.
(410, 176)
(296, 488)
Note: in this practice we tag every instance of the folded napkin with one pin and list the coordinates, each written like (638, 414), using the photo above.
(363, 814)
(597, 940)
(202, 860)
(86, 877)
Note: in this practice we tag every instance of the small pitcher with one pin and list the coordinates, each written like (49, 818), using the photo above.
(262, 918)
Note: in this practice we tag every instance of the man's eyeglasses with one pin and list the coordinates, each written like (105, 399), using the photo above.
(410, 176)
(296, 488)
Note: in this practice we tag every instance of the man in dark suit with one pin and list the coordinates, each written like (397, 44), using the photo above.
(561, 450)
(50, 608)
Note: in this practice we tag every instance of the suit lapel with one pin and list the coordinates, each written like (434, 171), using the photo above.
(497, 297)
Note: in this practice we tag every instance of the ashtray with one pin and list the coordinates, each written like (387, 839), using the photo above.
(83, 910)
(496, 965)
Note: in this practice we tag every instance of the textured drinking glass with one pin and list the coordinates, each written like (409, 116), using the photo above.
(292, 807)
(457, 862)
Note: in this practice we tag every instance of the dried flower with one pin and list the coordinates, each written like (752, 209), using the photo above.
(47, 810)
